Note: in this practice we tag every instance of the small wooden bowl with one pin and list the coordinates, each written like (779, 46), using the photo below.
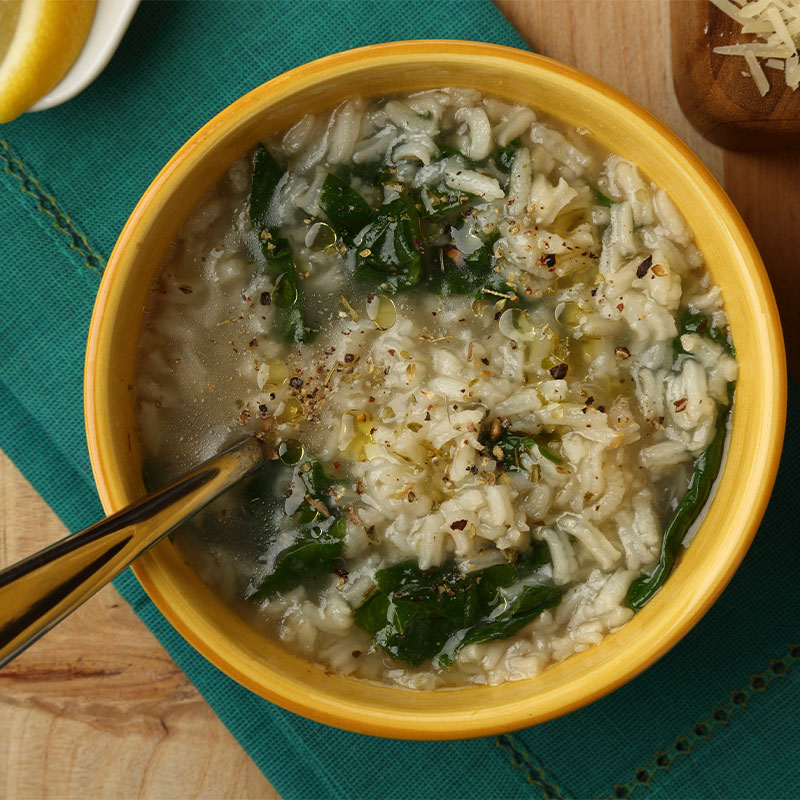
(724, 105)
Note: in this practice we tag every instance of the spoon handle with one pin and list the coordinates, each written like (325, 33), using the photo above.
(38, 592)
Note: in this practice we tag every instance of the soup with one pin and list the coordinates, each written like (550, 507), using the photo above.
(489, 367)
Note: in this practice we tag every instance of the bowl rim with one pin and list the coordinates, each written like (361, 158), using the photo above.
(392, 723)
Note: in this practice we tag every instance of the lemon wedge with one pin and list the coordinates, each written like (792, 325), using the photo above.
(39, 42)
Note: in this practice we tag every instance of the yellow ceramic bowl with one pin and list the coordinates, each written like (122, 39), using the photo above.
(617, 123)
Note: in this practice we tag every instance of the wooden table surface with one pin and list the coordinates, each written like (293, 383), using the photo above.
(97, 709)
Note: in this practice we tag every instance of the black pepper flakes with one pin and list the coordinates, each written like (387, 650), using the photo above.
(550, 260)
(265, 299)
(349, 358)
(296, 382)
(559, 371)
(641, 270)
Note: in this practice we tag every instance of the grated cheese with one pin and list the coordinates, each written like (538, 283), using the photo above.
(762, 84)
(777, 24)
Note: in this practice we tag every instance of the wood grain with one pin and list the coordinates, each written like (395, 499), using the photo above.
(724, 105)
(623, 42)
(765, 186)
(97, 708)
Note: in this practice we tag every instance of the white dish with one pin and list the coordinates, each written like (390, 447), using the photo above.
(111, 20)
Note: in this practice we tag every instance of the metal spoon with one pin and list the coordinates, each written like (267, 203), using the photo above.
(38, 592)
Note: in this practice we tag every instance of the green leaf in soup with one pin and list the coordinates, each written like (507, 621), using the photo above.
(419, 615)
(494, 578)
(602, 199)
(448, 150)
(316, 485)
(701, 325)
(441, 199)
(706, 468)
(309, 560)
(523, 609)
(277, 251)
(267, 173)
(691, 323)
(504, 156)
(290, 311)
(317, 481)
(472, 274)
(537, 555)
(719, 336)
(413, 612)
(516, 446)
(374, 173)
(347, 211)
(287, 294)
(389, 255)
(319, 541)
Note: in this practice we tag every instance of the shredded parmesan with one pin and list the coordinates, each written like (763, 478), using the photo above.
(762, 84)
(777, 24)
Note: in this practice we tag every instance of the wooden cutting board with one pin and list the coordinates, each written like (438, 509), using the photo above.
(721, 102)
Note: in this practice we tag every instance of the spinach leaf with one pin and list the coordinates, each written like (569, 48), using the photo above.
(719, 336)
(390, 254)
(524, 608)
(310, 558)
(288, 293)
(454, 273)
(504, 156)
(691, 323)
(317, 481)
(320, 538)
(706, 467)
(441, 199)
(602, 200)
(410, 617)
(346, 209)
(701, 325)
(516, 449)
(375, 173)
(418, 615)
(266, 176)
(448, 150)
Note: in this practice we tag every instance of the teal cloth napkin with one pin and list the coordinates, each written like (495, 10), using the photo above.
(717, 717)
